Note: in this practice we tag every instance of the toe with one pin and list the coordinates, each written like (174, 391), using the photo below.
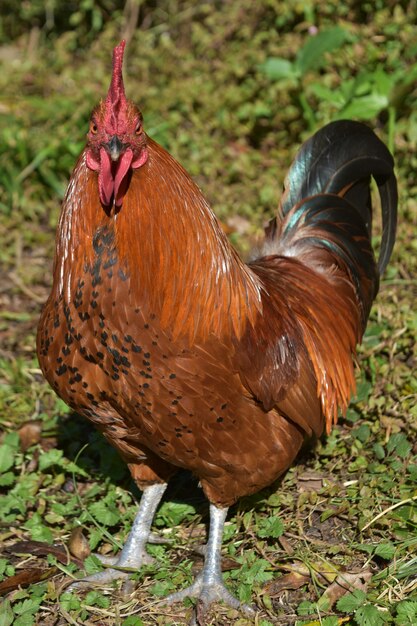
(100, 578)
(207, 595)
(193, 591)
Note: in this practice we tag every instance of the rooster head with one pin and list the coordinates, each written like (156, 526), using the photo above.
(116, 140)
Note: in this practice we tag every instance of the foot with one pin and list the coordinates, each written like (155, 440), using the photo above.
(116, 568)
(143, 557)
(134, 554)
(208, 587)
(208, 593)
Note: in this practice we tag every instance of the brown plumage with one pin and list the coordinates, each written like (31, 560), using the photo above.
(182, 355)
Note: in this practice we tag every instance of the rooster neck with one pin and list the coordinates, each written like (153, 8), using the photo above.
(167, 242)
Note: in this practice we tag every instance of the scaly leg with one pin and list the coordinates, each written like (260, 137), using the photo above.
(208, 586)
(133, 554)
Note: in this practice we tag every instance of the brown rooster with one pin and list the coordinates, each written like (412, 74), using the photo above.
(181, 354)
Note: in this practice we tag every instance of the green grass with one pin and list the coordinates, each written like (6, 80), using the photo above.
(231, 89)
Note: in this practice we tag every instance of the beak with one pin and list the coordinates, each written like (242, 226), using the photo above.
(114, 147)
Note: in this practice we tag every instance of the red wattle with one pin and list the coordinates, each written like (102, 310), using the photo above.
(105, 179)
(123, 166)
(142, 158)
(92, 162)
(114, 176)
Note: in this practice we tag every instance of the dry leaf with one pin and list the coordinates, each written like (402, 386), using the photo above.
(310, 482)
(346, 582)
(326, 572)
(26, 577)
(78, 544)
(40, 548)
(29, 434)
(294, 580)
(285, 545)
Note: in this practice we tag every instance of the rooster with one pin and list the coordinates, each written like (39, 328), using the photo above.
(182, 355)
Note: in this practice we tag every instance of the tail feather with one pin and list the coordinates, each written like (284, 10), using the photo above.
(340, 159)
(334, 232)
(320, 277)
(389, 200)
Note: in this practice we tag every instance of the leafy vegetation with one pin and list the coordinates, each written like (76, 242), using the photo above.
(231, 89)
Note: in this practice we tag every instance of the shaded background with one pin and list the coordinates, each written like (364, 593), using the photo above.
(231, 89)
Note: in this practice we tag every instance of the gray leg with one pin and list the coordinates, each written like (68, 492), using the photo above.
(208, 586)
(134, 553)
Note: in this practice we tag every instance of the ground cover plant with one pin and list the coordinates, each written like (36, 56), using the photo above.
(231, 90)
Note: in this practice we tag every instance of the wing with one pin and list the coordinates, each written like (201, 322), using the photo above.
(298, 355)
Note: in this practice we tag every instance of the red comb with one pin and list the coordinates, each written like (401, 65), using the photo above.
(116, 95)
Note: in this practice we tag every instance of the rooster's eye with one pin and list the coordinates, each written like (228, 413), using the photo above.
(93, 128)
(138, 128)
